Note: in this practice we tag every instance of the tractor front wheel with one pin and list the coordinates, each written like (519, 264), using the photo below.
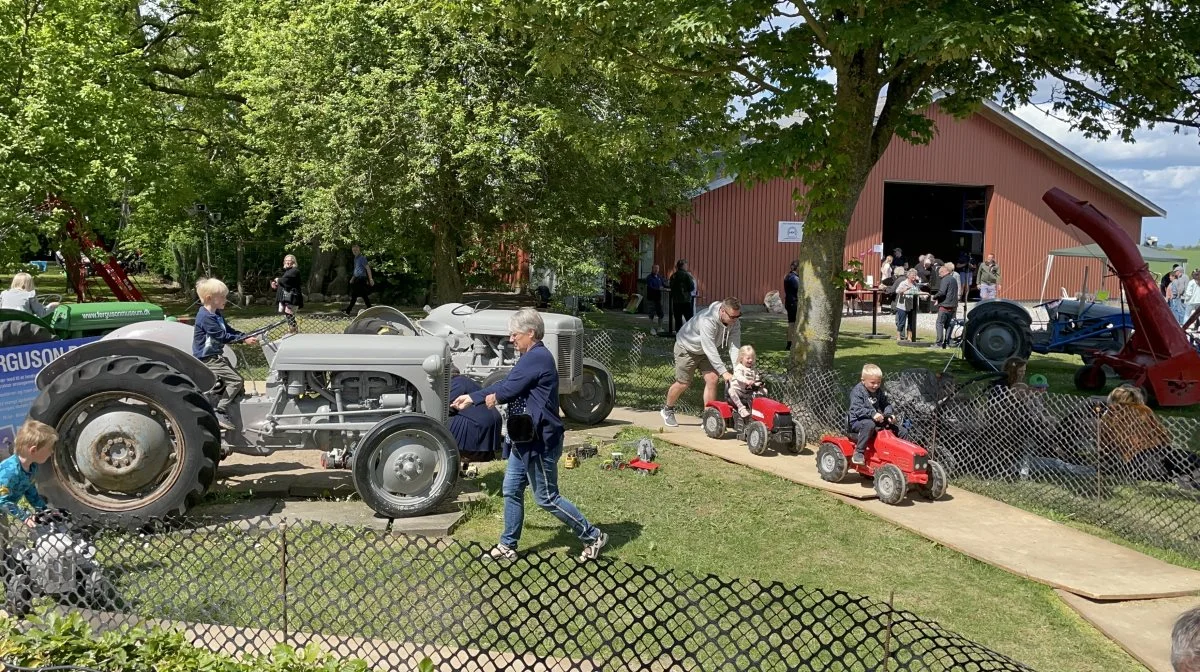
(405, 465)
(935, 488)
(591, 403)
(756, 437)
(890, 484)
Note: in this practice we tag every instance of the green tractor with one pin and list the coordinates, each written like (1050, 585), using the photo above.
(73, 320)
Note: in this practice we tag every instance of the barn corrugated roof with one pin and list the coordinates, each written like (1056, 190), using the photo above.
(1033, 137)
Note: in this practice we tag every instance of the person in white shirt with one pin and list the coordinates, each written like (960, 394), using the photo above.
(22, 296)
(698, 345)
(746, 381)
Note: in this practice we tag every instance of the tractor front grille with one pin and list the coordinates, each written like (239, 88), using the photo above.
(784, 421)
(570, 359)
(446, 375)
(920, 462)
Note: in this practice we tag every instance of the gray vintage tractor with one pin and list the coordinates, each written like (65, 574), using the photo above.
(139, 438)
(479, 346)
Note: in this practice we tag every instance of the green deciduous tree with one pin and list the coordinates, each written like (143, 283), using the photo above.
(426, 136)
(857, 74)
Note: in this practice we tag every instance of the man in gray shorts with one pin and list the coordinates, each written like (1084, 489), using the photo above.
(698, 345)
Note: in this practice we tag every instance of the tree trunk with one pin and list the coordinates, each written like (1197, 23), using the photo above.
(241, 271)
(447, 278)
(322, 261)
(340, 284)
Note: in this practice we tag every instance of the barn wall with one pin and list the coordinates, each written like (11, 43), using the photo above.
(730, 235)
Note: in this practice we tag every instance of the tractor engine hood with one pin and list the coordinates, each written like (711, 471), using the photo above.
(341, 352)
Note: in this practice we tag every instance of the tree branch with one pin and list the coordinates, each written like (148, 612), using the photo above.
(177, 73)
(215, 95)
(1079, 87)
(814, 26)
(900, 93)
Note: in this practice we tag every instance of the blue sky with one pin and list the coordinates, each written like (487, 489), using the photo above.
(1161, 165)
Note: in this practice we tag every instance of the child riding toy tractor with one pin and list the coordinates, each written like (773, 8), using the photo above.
(770, 423)
(894, 463)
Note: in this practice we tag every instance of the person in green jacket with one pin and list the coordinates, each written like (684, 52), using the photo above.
(989, 279)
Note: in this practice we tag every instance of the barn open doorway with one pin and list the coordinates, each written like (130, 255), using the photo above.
(926, 218)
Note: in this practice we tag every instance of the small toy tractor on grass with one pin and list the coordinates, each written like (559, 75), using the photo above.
(894, 463)
(770, 424)
(54, 562)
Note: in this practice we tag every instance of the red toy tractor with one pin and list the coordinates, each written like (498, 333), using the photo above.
(894, 463)
(770, 422)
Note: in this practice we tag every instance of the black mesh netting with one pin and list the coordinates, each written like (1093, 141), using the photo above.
(243, 586)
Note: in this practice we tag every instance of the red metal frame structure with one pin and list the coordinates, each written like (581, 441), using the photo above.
(108, 268)
(1157, 357)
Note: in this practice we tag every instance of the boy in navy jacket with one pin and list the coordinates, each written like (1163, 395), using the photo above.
(531, 388)
(209, 337)
(869, 410)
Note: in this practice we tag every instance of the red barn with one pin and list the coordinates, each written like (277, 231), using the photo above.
(985, 173)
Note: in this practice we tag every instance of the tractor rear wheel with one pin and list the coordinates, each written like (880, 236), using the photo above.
(19, 332)
(890, 484)
(831, 462)
(713, 423)
(591, 403)
(137, 440)
(993, 337)
(1090, 378)
(373, 326)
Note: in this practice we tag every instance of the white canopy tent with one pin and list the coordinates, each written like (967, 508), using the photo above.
(1093, 251)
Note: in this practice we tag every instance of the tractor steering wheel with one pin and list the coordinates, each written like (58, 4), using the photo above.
(472, 307)
(991, 375)
(262, 331)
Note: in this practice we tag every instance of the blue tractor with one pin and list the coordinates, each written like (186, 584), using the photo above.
(998, 329)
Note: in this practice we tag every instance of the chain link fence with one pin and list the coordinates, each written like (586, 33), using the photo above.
(1119, 467)
(243, 586)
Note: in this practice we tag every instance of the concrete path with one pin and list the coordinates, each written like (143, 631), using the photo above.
(998, 534)
(1141, 627)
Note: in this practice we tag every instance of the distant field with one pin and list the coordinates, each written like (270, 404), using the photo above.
(1192, 255)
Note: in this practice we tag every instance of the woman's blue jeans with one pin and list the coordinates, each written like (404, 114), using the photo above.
(1177, 309)
(537, 466)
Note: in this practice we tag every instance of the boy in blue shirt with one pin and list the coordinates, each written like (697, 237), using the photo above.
(33, 446)
(209, 337)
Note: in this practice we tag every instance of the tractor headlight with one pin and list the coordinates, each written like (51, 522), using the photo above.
(432, 365)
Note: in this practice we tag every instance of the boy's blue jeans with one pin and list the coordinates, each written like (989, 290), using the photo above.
(537, 466)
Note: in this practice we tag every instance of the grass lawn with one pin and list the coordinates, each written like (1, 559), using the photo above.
(704, 515)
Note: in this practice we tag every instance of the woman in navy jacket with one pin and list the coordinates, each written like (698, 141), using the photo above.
(531, 389)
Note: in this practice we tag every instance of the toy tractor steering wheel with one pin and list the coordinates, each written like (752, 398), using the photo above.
(472, 307)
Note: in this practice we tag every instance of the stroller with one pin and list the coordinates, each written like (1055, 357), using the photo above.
(51, 560)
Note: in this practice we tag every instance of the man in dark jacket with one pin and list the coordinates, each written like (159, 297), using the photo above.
(683, 291)
(947, 302)
(531, 392)
(869, 410)
(654, 298)
(791, 301)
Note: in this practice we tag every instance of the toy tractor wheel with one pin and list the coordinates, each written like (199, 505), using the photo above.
(591, 403)
(607, 466)
(798, 442)
(935, 488)
(713, 423)
(831, 462)
(1090, 378)
(405, 465)
(137, 440)
(756, 437)
(890, 484)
